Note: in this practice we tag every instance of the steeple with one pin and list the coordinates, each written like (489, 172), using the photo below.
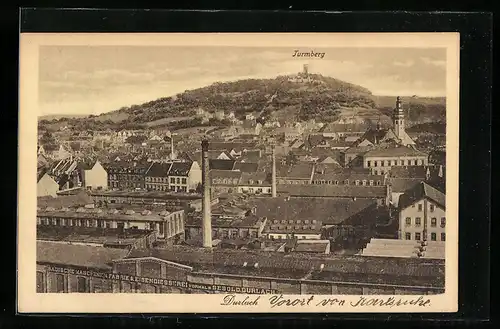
(398, 119)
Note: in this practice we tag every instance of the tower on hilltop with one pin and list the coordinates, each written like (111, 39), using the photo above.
(305, 69)
(398, 119)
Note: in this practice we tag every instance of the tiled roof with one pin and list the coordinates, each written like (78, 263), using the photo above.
(102, 213)
(295, 265)
(358, 149)
(246, 167)
(80, 199)
(408, 172)
(244, 221)
(326, 211)
(315, 139)
(180, 169)
(333, 191)
(351, 176)
(158, 169)
(88, 234)
(394, 151)
(401, 185)
(304, 246)
(299, 170)
(420, 191)
(40, 174)
(228, 146)
(217, 164)
(214, 174)
(296, 226)
(255, 177)
(375, 135)
(77, 255)
(164, 195)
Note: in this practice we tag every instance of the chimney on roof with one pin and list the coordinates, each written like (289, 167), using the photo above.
(273, 183)
(206, 205)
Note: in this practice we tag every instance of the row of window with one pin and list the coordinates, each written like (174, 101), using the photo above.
(175, 225)
(357, 182)
(288, 236)
(418, 236)
(233, 234)
(121, 184)
(126, 177)
(60, 286)
(418, 221)
(388, 163)
(432, 207)
(257, 190)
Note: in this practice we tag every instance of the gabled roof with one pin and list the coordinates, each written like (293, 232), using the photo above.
(159, 169)
(408, 172)
(180, 169)
(246, 166)
(301, 170)
(214, 174)
(246, 178)
(220, 164)
(311, 211)
(401, 185)
(394, 151)
(77, 255)
(420, 191)
(41, 173)
(376, 135)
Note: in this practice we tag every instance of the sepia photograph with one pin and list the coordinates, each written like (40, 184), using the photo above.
(291, 173)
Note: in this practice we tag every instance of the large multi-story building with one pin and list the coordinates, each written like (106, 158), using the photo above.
(380, 161)
(127, 175)
(166, 224)
(184, 269)
(157, 177)
(422, 214)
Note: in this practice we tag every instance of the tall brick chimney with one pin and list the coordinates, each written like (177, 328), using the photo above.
(206, 204)
(172, 154)
(273, 183)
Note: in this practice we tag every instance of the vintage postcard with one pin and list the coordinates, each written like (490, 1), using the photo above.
(249, 173)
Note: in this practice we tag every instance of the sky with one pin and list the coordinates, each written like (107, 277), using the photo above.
(84, 80)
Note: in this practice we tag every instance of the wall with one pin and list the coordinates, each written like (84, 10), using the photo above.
(425, 214)
(254, 189)
(385, 163)
(299, 236)
(46, 186)
(97, 177)
(181, 279)
(194, 177)
(224, 232)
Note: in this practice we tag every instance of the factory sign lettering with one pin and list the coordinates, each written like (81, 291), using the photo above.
(162, 282)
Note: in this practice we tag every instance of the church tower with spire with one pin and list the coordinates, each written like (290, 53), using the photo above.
(398, 119)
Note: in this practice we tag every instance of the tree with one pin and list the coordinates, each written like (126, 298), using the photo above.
(48, 138)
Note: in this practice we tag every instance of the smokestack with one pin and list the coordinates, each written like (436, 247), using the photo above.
(273, 183)
(172, 146)
(206, 205)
